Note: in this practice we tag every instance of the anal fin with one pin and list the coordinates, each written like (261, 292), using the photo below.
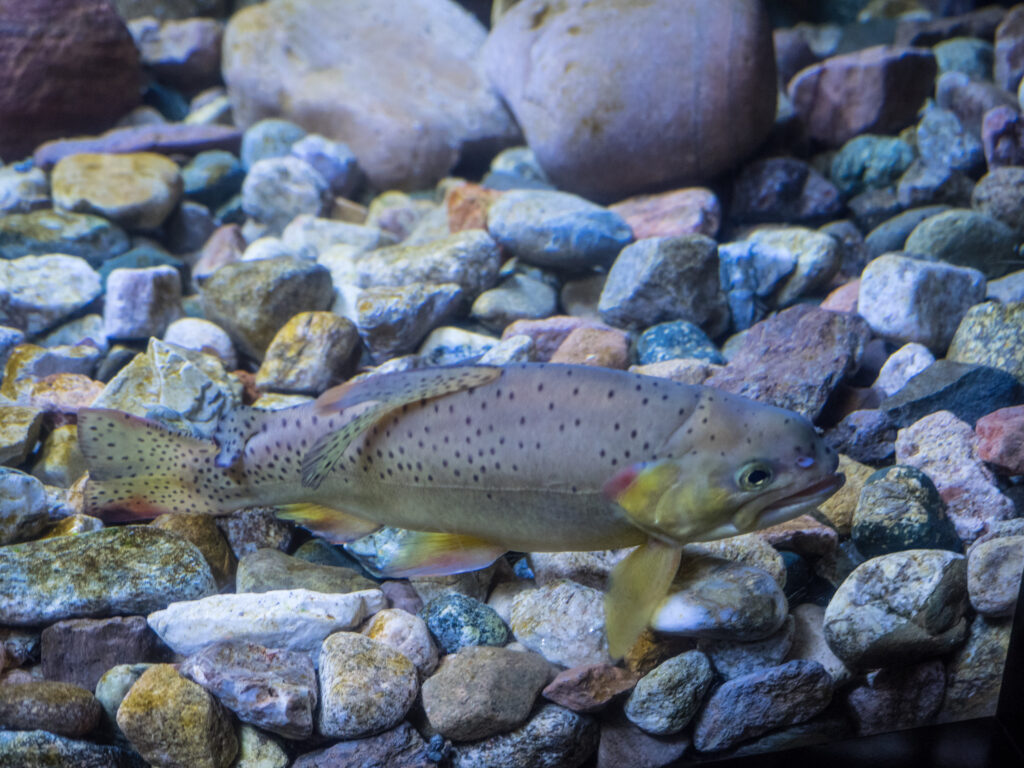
(333, 525)
(423, 553)
(638, 584)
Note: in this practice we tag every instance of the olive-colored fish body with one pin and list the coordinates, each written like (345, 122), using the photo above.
(529, 457)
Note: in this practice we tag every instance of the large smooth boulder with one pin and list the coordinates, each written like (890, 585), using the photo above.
(619, 96)
(69, 66)
(395, 80)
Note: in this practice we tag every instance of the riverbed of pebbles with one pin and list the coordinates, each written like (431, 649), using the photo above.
(306, 194)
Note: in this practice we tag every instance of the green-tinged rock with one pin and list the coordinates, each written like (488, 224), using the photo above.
(870, 162)
(61, 462)
(518, 297)
(899, 509)
(666, 698)
(37, 292)
(24, 510)
(55, 231)
(311, 352)
(967, 239)
(114, 686)
(870, 624)
(991, 334)
(457, 621)
(202, 531)
(42, 749)
(188, 390)
(127, 570)
(173, 721)
(252, 300)
(258, 750)
(266, 570)
(212, 177)
(138, 190)
(365, 686)
(60, 708)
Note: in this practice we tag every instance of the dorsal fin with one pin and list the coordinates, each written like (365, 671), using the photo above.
(234, 430)
(364, 402)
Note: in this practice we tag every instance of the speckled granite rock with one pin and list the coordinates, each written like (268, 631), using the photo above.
(666, 698)
(365, 686)
(554, 737)
(202, 531)
(543, 622)
(37, 292)
(457, 621)
(132, 569)
(29, 749)
(311, 352)
(991, 334)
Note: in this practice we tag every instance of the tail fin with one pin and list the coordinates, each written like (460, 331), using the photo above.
(139, 469)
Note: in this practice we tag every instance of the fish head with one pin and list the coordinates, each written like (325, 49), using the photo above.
(732, 467)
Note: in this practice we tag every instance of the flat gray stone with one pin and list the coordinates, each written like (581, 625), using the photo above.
(128, 570)
(37, 292)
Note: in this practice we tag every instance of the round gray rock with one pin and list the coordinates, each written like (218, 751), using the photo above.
(968, 239)
(618, 96)
(900, 607)
(37, 292)
(666, 698)
(278, 189)
(556, 229)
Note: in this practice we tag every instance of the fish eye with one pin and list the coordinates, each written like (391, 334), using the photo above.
(755, 476)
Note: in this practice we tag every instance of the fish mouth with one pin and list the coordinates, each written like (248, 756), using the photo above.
(802, 501)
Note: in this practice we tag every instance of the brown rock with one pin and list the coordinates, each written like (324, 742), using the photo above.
(80, 651)
(796, 359)
(162, 138)
(549, 333)
(482, 691)
(202, 531)
(606, 348)
(590, 687)
(225, 246)
(622, 744)
(874, 90)
(803, 535)
(843, 298)
(69, 66)
(691, 211)
(467, 206)
(1001, 439)
(61, 708)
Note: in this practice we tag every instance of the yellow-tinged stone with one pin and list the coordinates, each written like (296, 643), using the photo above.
(202, 531)
(137, 190)
(19, 431)
(172, 721)
(73, 524)
(66, 392)
(838, 510)
(61, 462)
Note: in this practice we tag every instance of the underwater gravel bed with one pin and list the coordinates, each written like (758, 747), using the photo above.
(854, 259)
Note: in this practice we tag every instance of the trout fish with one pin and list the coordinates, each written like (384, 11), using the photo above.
(480, 460)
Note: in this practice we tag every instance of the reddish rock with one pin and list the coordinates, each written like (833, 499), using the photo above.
(467, 206)
(691, 211)
(843, 298)
(225, 246)
(874, 90)
(590, 687)
(80, 651)
(162, 138)
(796, 359)
(549, 333)
(606, 348)
(1001, 135)
(69, 66)
(1009, 50)
(803, 535)
(1001, 439)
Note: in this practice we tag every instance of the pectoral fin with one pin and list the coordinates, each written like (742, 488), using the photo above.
(363, 402)
(637, 585)
(331, 524)
(437, 554)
